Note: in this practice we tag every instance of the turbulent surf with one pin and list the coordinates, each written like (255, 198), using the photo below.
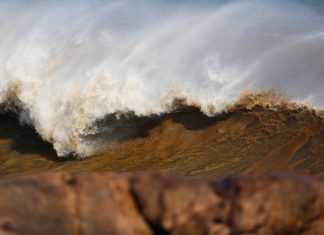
(68, 67)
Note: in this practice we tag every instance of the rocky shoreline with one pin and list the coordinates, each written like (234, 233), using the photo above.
(161, 203)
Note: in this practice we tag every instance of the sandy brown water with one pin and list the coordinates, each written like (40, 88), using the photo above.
(244, 140)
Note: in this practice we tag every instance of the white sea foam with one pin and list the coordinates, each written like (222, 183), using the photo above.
(67, 64)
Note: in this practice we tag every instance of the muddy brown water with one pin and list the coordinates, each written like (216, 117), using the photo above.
(255, 141)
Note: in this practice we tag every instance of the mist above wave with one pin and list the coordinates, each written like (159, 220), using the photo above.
(67, 65)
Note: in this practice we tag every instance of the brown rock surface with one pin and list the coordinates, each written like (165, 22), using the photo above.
(161, 203)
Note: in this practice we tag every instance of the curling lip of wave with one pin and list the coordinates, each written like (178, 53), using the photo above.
(65, 72)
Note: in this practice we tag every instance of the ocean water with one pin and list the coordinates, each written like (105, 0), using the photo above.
(64, 65)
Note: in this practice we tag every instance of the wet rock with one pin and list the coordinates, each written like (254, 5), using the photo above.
(162, 203)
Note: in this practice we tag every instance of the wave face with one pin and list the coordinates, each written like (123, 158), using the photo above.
(66, 65)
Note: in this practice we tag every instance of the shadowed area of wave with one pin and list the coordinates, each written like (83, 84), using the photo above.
(113, 128)
(128, 126)
(24, 139)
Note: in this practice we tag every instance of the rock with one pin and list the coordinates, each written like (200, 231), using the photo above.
(106, 206)
(37, 205)
(162, 203)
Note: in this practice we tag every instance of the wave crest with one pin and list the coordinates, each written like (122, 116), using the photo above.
(65, 72)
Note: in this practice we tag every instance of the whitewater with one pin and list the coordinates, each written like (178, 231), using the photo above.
(64, 65)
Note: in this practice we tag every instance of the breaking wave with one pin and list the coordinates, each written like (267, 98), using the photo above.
(64, 66)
